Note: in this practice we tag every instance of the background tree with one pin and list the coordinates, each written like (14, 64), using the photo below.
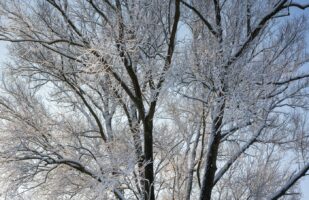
(154, 99)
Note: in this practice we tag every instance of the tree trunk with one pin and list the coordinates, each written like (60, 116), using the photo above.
(148, 149)
(191, 164)
(212, 153)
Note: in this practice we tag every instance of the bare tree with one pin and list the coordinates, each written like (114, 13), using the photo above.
(135, 99)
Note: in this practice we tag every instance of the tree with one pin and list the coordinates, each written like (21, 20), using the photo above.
(154, 99)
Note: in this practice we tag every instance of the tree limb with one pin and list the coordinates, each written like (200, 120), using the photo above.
(282, 191)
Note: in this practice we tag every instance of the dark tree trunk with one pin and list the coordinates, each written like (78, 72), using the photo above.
(212, 153)
(148, 149)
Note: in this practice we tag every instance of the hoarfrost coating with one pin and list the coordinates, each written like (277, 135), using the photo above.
(136, 99)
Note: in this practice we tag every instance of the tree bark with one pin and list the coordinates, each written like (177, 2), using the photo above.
(212, 153)
(148, 149)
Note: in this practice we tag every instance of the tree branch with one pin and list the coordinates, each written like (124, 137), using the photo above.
(282, 191)
(229, 163)
(168, 60)
(256, 32)
(208, 25)
(297, 5)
